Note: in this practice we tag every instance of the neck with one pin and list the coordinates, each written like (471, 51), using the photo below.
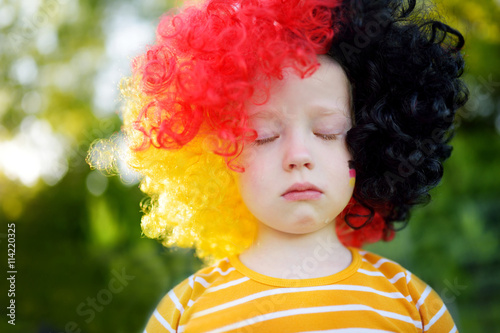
(296, 256)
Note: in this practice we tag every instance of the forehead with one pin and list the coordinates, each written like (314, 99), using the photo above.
(314, 111)
(325, 93)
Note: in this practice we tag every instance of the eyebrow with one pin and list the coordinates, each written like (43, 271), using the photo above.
(321, 110)
(316, 110)
(264, 114)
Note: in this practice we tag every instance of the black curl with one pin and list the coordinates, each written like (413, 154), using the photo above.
(405, 71)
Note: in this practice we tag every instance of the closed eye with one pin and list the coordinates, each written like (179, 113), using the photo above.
(271, 139)
(326, 136)
(264, 141)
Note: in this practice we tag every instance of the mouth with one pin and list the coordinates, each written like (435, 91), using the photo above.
(302, 191)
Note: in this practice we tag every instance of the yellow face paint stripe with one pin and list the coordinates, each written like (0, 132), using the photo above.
(352, 174)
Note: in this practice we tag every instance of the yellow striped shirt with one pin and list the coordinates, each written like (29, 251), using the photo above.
(372, 295)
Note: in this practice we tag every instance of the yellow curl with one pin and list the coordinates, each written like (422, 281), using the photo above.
(193, 201)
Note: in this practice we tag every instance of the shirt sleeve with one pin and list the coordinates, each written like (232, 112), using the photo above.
(166, 316)
(433, 311)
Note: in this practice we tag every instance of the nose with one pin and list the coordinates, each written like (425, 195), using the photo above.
(297, 154)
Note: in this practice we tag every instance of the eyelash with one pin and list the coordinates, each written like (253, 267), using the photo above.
(271, 139)
(327, 136)
(263, 141)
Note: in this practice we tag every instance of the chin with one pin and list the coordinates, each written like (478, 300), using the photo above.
(304, 228)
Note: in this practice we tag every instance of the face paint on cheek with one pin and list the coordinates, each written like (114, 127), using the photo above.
(352, 175)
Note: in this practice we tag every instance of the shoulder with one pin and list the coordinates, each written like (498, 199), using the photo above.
(386, 274)
(376, 264)
(167, 314)
(210, 277)
(205, 278)
(384, 270)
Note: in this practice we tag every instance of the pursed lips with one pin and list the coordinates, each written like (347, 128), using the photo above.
(302, 191)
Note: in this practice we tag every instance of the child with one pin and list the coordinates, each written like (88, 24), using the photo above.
(276, 137)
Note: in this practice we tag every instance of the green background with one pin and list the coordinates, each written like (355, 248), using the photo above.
(76, 229)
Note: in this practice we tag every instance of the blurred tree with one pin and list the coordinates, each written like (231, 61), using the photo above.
(76, 229)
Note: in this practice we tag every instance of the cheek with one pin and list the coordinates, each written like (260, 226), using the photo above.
(256, 163)
(246, 183)
(248, 157)
(340, 174)
(254, 184)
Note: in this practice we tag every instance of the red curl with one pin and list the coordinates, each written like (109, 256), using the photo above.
(208, 61)
(370, 230)
(158, 70)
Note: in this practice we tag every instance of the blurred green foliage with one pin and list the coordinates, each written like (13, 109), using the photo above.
(77, 230)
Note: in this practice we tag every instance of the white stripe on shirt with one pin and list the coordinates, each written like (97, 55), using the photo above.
(252, 297)
(396, 277)
(381, 262)
(378, 273)
(227, 285)
(408, 277)
(191, 281)
(174, 299)
(321, 309)
(202, 281)
(351, 330)
(217, 269)
(370, 273)
(163, 321)
(424, 295)
(435, 318)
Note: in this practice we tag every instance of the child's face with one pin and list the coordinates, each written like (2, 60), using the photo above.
(301, 139)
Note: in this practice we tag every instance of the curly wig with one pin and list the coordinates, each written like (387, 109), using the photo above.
(186, 122)
(405, 71)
